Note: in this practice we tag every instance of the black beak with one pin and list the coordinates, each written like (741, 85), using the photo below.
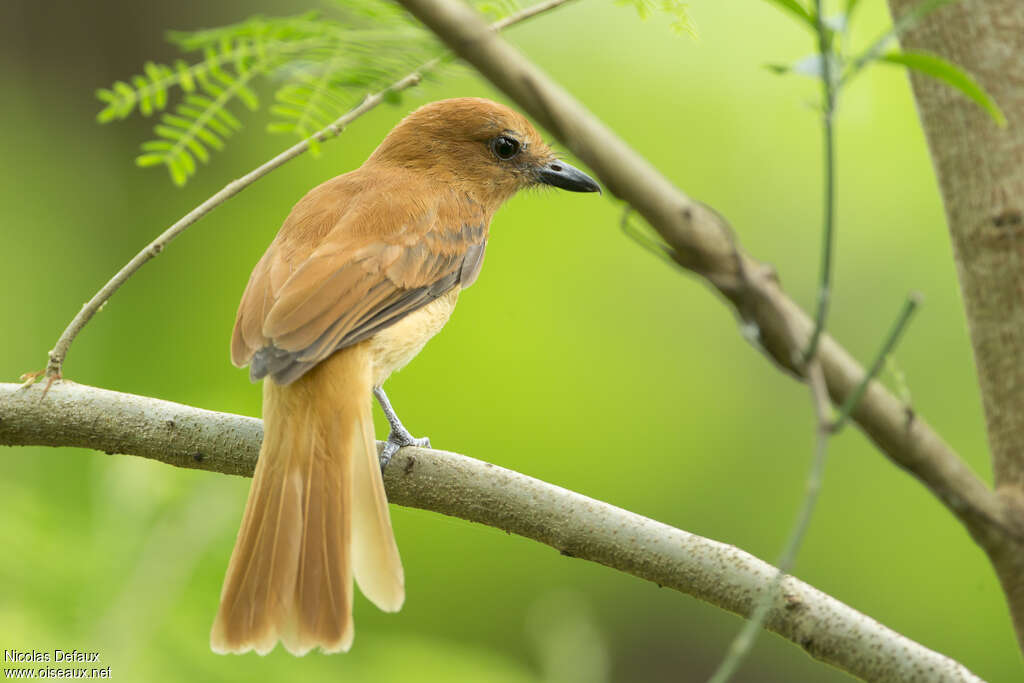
(560, 174)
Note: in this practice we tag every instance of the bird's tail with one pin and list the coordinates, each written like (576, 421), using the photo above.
(316, 515)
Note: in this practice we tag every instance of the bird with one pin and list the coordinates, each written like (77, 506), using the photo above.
(366, 268)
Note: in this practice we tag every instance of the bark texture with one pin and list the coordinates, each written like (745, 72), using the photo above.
(980, 169)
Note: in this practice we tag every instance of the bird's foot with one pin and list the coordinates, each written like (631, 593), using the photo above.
(399, 436)
(30, 378)
(399, 439)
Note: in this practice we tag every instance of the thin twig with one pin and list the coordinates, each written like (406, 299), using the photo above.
(526, 13)
(828, 229)
(58, 354)
(455, 485)
(911, 304)
(745, 639)
(655, 246)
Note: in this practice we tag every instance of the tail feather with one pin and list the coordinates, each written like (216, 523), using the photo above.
(290, 575)
(375, 560)
(322, 613)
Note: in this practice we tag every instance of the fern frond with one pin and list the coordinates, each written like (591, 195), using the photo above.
(149, 91)
(319, 67)
(255, 30)
(199, 123)
(676, 11)
(379, 45)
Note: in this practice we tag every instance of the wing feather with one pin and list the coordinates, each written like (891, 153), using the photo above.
(320, 288)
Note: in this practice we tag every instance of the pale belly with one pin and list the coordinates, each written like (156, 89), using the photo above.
(394, 346)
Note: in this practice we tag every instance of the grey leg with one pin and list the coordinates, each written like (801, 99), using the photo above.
(399, 436)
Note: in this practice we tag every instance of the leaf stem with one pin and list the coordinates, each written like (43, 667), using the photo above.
(745, 639)
(909, 307)
(828, 229)
(651, 244)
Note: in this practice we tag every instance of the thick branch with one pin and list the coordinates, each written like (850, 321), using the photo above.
(577, 526)
(702, 241)
(980, 168)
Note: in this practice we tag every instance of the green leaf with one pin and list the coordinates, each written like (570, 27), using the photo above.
(798, 10)
(903, 24)
(145, 160)
(156, 146)
(324, 65)
(109, 112)
(951, 74)
(178, 175)
(248, 97)
(228, 118)
(676, 10)
(185, 78)
(127, 99)
(168, 132)
(199, 101)
(215, 124)
(197, 148)
(209, 138)
(280, 127)
(188, 164)
(179, 121)
(142, 88)
(158, 75)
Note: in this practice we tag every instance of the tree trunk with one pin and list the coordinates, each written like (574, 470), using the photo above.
(980, 168)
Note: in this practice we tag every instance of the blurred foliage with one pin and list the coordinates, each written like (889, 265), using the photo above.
(577, 358)
(678, 13)
(321, 66)
(845, 64)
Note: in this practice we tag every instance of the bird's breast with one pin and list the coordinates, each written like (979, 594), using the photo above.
(396, 345)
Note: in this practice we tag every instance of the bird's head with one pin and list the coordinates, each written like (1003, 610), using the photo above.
(486, 148)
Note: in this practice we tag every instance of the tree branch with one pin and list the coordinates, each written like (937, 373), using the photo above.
(77, 415)
(703, 242)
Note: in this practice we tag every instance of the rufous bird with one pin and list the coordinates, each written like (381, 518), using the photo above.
(366, 268)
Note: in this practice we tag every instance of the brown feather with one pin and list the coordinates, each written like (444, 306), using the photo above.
(366, 268)
(317, 278)
(290, 576)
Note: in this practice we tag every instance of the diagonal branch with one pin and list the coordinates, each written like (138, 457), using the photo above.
(702, 241)
(77, 415)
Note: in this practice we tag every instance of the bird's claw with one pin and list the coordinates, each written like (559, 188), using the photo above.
(30, 378)
(397, 440)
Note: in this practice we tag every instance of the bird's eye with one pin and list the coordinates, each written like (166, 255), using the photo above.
(505, 147)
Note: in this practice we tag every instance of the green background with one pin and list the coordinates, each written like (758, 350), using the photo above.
(577, 358)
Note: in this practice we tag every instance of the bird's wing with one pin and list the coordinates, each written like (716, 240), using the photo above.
(301, 306)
